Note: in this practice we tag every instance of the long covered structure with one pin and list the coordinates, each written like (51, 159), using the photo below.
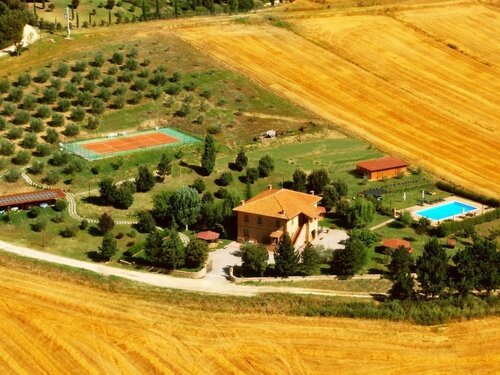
(32, 198)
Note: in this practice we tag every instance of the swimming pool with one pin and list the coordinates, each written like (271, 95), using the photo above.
(446, 210)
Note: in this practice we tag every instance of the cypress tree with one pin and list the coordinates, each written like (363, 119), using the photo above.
(208, 156)
(351, 259)
(311, 260)
(173, 251)
(145, 179)
(299, 180)
(286, 259)
(165, 165)
(153, 248)
(400, 274)
(241, 160)
(108, 247)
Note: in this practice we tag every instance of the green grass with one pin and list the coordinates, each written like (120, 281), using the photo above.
(351, 285)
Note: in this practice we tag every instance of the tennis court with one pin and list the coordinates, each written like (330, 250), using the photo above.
(122, 143)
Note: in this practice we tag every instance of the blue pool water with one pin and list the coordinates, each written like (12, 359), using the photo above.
(446, 210)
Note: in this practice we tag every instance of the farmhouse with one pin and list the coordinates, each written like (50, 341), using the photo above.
(26, 200)
(266, 217)
(377, 169)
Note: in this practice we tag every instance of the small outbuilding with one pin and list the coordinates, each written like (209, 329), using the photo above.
(395, 243)
(27, 200)
(377, 169)
(208, 236)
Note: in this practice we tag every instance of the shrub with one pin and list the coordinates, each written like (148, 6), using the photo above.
(131, 64)
(15, 94)
(140, 84)
(57, 120)
(84, 224)
(77, 113)
(50, 95)
(112, 70)
(58, 218)
(93, 123)
(4, 85)
(62, 70)
(119, 101)
(12, 175)
(108, 81)
(93, 74)
(60, 205)
(190, 86)
(8, 108)
(60, 158)
(34, 212)
(36, 167)
(77, 78)
(52, 136)
(42, 112)
(98, 59)
(6, 148)
(225, 179)
(70, 90)
(106, 223)
(252, 175)
(173, 89)
(15, 133)
(136, 98)
(51, 177)
(214, 129)
(98, 106)
(458, 190)
(3, 123)
(21, 117)
(79, 66)
(254, 258)
(69, 231)
(71, 130)
(29, 102)
(126, 76)
(117, 58)
(198, 185)
(88, 86)
(55, 83)
(21, 158)
(24, 79)
(104, 94)
(29, 141)
(39, 225)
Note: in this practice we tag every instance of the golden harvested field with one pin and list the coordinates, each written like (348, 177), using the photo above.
(52, 325)
(422, 81)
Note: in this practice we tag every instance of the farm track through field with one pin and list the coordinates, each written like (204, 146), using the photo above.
(430, 98)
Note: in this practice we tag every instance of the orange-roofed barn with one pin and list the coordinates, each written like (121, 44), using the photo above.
(266, 217)
(377, 169)
(396, 243)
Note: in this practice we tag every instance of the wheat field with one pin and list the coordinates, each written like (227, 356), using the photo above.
(53, 325)
(421, 82)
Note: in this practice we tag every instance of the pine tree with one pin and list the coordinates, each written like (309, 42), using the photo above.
(286, 260)
(153, 248)
(299, 180)
(165, 165)
(432, 268)
(105, 223)
(311, 260)
(108, 247)
(145, 179)
(173, 251)
(209, 155)
(400, 274)
(351, 259)
(241, 160)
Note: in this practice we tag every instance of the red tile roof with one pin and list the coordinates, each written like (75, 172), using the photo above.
(37, 196)
(208, 235)
(382, 164)
(281, 203)
(395, 243)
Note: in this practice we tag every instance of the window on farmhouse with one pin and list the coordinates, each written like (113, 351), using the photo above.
(278, 223)
(259, 219)
(246, 218)
(245, 232)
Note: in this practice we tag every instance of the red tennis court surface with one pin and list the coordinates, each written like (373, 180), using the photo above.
(129, 143)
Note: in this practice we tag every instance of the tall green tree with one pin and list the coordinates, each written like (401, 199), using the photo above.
(209, 155)
(477, 267)
(196, 253)
(173, 251)
(145, 222)
(311, 260)
(108, 246)
(330, 197)
(317, 180)
(299, 180)
(254, 259)
(360, 213)
(165, 165)
(153, 249)
(266, 166)
(432, 269)
(105, 223)
(145, 179)
(185, 206)
(241, 160)
(400, 274)
(286, 259)
(350, 260)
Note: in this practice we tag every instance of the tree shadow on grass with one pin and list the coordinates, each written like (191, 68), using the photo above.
(96, 201)
(199, 170)
(94, 231)
(94, 256)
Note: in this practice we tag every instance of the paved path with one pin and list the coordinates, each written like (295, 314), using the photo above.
(30, 36)
(382, 224)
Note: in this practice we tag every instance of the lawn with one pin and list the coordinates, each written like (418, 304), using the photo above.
(350, 285)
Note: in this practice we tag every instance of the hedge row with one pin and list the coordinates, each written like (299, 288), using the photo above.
(458, 190)
(448, 227)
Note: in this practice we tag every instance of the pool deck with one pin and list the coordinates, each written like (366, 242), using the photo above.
(480, 209)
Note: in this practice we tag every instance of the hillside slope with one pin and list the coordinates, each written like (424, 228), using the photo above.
(394, 76)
